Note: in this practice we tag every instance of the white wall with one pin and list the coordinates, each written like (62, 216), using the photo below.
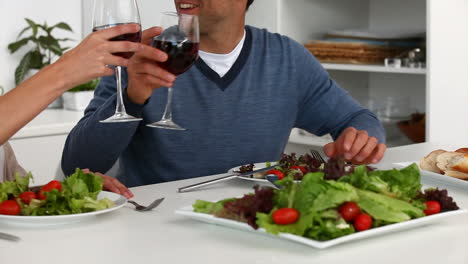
(12, 14)
(447, 94)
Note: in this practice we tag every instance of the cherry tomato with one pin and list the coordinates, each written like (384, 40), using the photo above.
(47, 188)
(9, 207)
(432, 207)
(362, 222)
(285, 216)
(52, 185)
(301, 168)
(276, 172)
(349, 211)
(26, 197)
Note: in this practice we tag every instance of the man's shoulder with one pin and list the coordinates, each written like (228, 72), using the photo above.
(265, 37)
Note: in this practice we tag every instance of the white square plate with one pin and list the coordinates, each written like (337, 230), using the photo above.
(188, 211)
(436, 177)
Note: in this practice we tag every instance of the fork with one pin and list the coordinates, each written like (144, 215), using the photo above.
(8, 237)
(141, 208)
(316, 155)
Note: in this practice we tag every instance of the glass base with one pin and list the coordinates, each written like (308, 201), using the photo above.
(121, 117)
(166, 124)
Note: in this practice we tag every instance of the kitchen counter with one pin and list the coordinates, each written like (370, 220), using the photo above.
(160, 236)
(50, 122)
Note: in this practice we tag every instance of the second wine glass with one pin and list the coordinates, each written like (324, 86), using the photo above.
(180, 41)
(111, 13)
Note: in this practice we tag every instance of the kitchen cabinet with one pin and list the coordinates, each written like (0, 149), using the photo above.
(440, 90)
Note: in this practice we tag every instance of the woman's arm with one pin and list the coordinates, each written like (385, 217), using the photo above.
(83, 63)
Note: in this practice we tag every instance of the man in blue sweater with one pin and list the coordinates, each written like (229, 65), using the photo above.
(238, 102)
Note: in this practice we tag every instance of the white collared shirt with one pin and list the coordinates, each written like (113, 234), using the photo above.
(221, 63)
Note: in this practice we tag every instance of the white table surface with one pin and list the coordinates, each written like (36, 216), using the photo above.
(160, 236)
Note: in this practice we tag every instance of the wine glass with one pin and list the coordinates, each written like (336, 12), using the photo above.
(111, 13)
(180, 40)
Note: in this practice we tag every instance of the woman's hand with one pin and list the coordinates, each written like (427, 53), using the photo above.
(112, 184)
(92, 57)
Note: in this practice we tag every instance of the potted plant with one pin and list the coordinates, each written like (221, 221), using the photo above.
(45, 47)
(78, 98)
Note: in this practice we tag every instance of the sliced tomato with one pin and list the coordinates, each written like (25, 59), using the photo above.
(301, 168)
(285, 216)
(54, 184)
(276, 172)
(26, 197)
(10, 207)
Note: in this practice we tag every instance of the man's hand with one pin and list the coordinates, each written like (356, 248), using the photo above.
(112, 184)
(144, 73)
(356, 146)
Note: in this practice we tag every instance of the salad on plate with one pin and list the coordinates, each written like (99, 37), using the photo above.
(77, 194)
(324, 208)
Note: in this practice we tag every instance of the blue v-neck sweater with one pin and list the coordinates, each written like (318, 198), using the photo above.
(246, 116)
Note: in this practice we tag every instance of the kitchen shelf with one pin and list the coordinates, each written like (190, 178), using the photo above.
(372, 68)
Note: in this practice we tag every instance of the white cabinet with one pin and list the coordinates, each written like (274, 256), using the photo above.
(440, 90)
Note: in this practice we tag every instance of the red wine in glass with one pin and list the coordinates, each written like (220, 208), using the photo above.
(133, 37)
(181, 55)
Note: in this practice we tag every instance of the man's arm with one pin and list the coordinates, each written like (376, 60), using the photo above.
(326, 108)
(94, 145)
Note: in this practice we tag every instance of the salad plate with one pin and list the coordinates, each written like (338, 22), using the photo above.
(118, 199)
(374, 232)
(436, 177)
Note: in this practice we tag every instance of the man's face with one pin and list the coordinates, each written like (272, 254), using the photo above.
(209, 11)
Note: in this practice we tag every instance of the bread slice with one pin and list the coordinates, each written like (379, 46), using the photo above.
(462, 150)
(444, 161)
(429, 162)
(457, 174)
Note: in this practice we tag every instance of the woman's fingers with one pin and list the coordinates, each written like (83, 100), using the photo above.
(112, 32)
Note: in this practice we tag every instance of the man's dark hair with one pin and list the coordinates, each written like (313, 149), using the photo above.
(249, 2)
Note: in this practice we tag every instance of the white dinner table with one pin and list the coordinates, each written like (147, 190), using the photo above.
(126, 236)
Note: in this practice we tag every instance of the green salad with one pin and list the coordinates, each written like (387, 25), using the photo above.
(323, 209)
(76, 194)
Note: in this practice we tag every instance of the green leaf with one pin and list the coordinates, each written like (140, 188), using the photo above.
(23, 67)
(33, 25)
(22, 31)
(63, 26)
(37, 60)
(56, 50)
(65, 39)
(46, 41)
(13, 47)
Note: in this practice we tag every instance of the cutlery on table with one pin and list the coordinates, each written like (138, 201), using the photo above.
(272, 179)
(9, 237)
(141, 208)
(224, 178)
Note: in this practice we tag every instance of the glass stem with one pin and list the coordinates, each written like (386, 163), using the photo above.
(120, 107)
(168, 110)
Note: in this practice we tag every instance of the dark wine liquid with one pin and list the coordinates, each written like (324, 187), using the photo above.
(133, 37)
(181, 56)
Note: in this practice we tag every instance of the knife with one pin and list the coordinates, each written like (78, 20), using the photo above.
(232, 175)
(9, 237)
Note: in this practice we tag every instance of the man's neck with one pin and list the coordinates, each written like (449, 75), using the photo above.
(221, 41)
